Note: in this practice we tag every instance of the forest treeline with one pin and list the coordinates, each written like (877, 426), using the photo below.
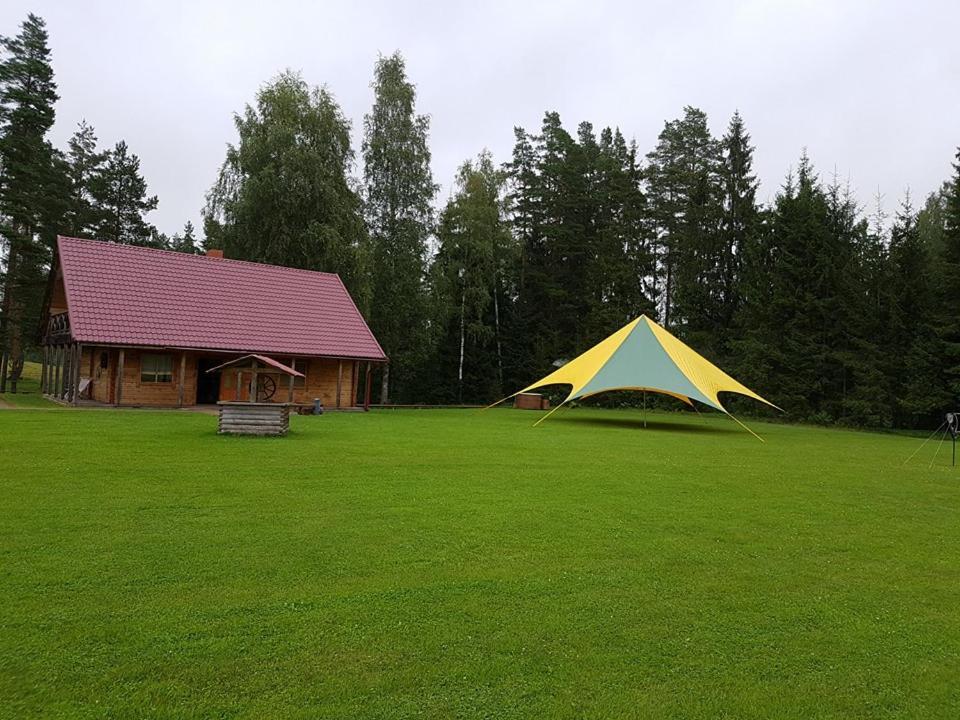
(836, 316)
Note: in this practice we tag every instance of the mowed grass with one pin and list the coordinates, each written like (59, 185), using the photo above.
(444, 564)
(28, 393)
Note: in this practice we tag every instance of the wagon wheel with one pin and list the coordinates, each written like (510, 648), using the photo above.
(266, 387)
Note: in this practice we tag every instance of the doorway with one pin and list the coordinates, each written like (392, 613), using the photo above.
(208, 384)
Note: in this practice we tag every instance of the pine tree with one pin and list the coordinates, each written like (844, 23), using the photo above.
(550, 222)
(399, 191)
(620, 264)
(28, 185)
(119, 196)
(685, 197)
(85, 164)
(578, 216)
(284, 195)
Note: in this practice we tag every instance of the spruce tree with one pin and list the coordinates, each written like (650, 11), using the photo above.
(780, 332)
(120, 200)
(29, 188)
(910, 342)
(739, 223)
(949, 290)
(185, 241)
(399, 192)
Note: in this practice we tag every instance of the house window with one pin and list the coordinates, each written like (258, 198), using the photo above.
(300, 365)
(156, 368)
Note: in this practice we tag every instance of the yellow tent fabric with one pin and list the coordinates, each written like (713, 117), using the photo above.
(642, 355)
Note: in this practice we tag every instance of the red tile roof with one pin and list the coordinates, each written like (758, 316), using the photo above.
(127, 295)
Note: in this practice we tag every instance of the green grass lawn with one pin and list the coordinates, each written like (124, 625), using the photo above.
(28, 390)
(445, 564)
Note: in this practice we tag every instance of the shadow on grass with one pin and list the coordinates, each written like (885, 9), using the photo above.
(693, 426)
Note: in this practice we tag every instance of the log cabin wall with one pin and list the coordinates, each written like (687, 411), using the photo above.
(320, 381)
(136, 391)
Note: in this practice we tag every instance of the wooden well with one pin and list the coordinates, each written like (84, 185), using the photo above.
(253, 418)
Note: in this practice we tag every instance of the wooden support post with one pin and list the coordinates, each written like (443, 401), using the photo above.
(239, 380)
(61, 370)
(353, 383)
(183, 372)
(55, 353)
(64, 369)
(339, 380)
(67, 371)
(43, 372)
(253, 386)
(293, 365)
(118, 392)
(366, 393)
(75, 385)
(68, 386)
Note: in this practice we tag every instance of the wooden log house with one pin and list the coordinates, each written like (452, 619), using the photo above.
(134, 326)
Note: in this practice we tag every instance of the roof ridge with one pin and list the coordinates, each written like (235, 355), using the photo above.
(138, 248)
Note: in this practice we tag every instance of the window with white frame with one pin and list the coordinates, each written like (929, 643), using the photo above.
(156, 368)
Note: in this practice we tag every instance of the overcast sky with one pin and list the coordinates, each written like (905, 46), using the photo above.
(871, 89)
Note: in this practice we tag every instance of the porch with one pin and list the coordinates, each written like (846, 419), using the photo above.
(91, 375)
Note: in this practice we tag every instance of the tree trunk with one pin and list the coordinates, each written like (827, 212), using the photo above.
(668, 289)
(385, 385)
(496, 325)
(13, 313)
(463, 300)
(8, 293)
(16, 369)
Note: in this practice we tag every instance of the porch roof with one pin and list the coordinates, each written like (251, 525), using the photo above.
(253, 359)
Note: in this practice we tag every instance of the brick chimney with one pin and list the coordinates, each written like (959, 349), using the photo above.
(215, 253)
